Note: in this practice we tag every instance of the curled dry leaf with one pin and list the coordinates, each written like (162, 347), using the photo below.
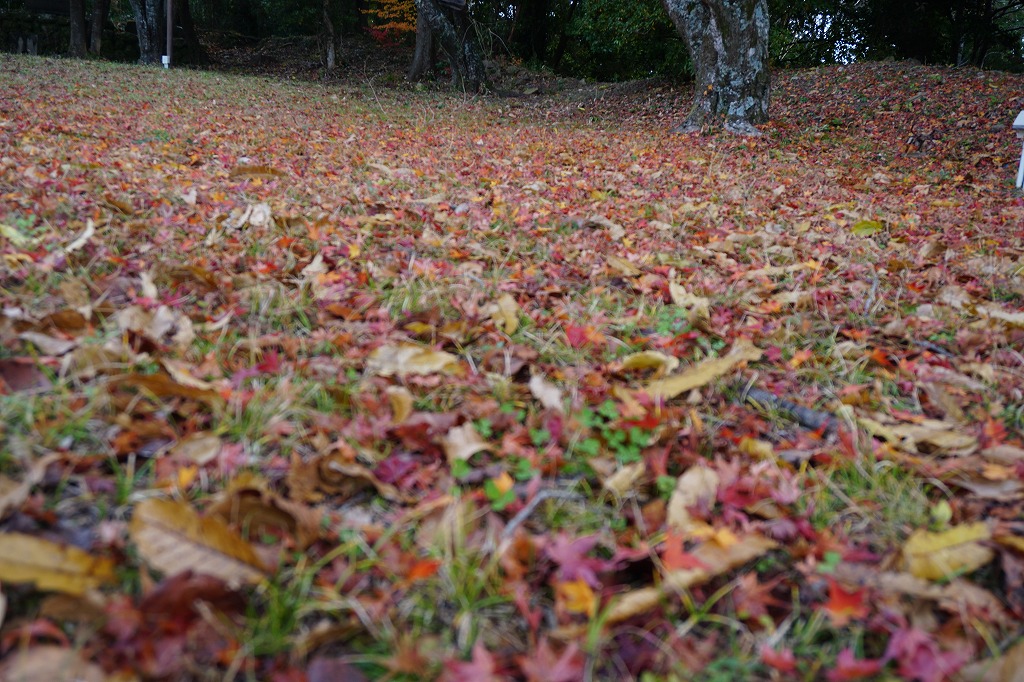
(14, 493)
(697, 484)
(698, 307)
(546, 393)
(661, 363)
(623, 481)
(942, 555)
(172, 537)
(163, 326)
(703, 373)
(248, 502)
(401, 403)
(615, 231)
(407, 358)
(50, 566)
(50, 663)
(182, 373)
(462, 442)
(197, 448)
(505, 313)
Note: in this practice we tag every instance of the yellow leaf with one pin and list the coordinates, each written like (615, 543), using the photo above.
(937, 556)
(52, 567)
(172, 537)
(866, 228)
(623, 266)
(505, 313)
(503, 482)
(704, 373)
(759, 449)
(401, 403)
(650, 359)
(625, 479)
(407, 358)
(577, 597)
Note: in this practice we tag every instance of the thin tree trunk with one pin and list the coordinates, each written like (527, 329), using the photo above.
(564, 35)
(100, 12)
(424, 55)
(77, 28)
(728, 42)
(333, 46)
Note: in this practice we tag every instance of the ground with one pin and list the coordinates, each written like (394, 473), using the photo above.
(341, 378)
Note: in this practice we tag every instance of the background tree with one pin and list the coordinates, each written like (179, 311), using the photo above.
(728, 42)
(453, 29)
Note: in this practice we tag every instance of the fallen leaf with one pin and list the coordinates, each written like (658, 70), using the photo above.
(462, 442)
(546, 393)
(13, 493)
(1008, 667)
(576, 596)
(651, 359)
(625, 479)
(505, 313)
(407, 358)
(198, 448)
(696, 485)
(172, 537)
(248, 502)
(401, 403)
(48, 663)
(51, 567)
(943, 555)
(703, 373)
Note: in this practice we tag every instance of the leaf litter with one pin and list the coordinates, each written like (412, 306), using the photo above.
(422, 386)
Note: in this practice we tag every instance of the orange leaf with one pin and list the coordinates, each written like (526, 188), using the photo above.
(843, 605)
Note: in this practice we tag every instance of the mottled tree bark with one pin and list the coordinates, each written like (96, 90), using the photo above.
(332, 37)
(100, 11)
(76, 24)
(454, 33)
(149, 28)
(728, 42)
(424, 56)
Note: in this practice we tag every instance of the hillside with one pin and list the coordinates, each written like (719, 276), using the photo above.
(353, 380)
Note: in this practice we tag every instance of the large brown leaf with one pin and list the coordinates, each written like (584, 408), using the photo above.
(172, 537)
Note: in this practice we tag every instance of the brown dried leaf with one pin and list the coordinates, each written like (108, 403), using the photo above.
(14, 493)
(462, 442)
(172, 537)
(401, 403)
(704, 373)
(407, 358)
(625, 479)
(50, 663)
(197, 448)
(248, 502)
(50, 566)
(697, 484)
(163, 326)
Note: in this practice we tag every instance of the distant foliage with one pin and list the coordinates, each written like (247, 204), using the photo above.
(392, 22)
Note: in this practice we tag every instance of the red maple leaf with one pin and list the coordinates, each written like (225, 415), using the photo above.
(479, 669)
(547, 666)
(920, 657)
(850, 668)
(844, 605)
(675, 557)
(782, 660)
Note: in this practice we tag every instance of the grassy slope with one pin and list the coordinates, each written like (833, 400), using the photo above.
(875, 273)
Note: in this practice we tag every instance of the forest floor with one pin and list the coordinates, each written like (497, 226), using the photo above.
(351, 380)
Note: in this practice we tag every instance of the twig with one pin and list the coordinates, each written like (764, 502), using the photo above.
(531, 506)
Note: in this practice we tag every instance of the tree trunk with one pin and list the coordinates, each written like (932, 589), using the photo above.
(148, 27)
(454, 32)
(77, 28)
(332, 37)
(424, 56)
(728, 42)
(100, 12)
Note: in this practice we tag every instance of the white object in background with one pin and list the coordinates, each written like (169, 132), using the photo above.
(1018, 127)
(166, 59)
